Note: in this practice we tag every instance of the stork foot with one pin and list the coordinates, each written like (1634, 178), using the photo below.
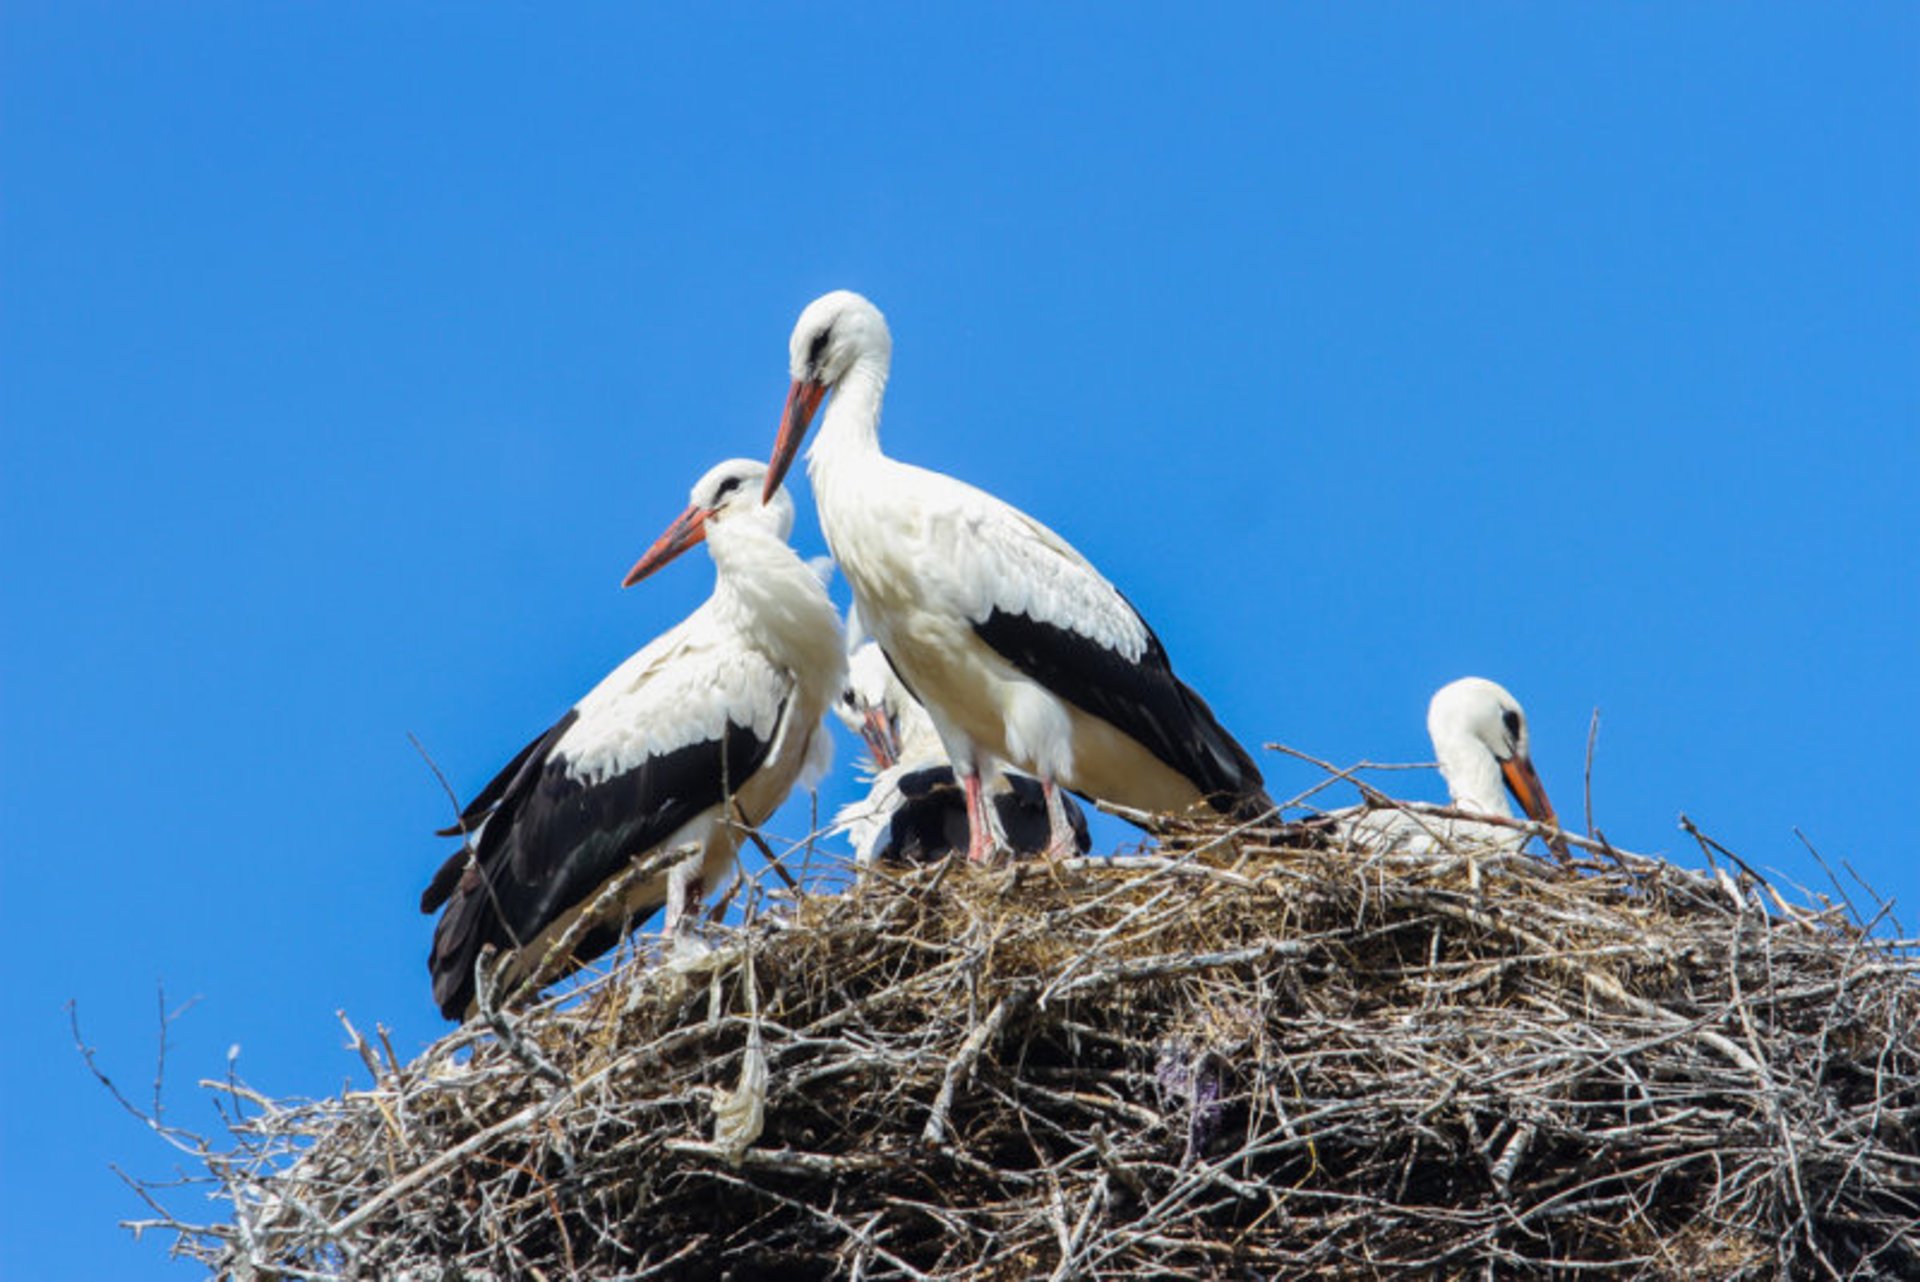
(981, 849)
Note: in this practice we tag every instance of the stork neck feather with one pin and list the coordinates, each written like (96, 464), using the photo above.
(851, 422)
(774, 600)
(1472, 775)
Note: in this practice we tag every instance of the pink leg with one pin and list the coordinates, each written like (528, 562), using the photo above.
(1061, 843)
(980, 841)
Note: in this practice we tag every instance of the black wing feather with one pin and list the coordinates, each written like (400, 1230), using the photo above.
(1142, 699)
(534, 755)
(444, 880)
(484, 801)
(552, 841)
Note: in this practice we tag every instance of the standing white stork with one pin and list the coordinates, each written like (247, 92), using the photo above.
(1480, 740)
(1019, 649)
(724, 708)
(915, 810)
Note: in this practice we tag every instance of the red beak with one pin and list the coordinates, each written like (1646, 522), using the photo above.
(803, 398)
(687, 529)
(882, 744)
(1527, 789)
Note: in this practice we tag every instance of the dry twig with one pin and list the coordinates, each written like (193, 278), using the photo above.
(1235, 1057)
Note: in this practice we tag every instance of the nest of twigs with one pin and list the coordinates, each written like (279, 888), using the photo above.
(1227, 1058)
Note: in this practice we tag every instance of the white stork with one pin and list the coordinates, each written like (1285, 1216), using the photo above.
(915, 810)
(1019, 649)
(1480, 740)
(726, 706)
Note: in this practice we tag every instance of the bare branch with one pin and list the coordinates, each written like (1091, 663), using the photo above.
(1245, 1052)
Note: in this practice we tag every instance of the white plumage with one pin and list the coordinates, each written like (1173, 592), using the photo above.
(875, 706)
(899, 736)
(685, 686)
(1481, 741)
(1019, 649)
(915, 809)
(724, 709)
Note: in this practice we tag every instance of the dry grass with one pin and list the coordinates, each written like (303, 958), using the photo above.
(1229, 1058)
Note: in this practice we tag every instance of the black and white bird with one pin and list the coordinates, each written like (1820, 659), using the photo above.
(1481, 741)
(915, 810)
(1020, 650)
(723, 711)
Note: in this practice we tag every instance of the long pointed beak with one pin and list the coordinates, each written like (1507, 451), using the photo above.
(803, 398)
(883, 742)
(689, 528)
(1527, 789)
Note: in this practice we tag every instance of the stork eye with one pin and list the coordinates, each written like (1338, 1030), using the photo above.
(727, 487)
(818, 347)
(849, 699)
(1512, 720)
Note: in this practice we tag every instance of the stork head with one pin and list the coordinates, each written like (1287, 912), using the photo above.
(1480, 736)
(729, 492)
(866, 706)
(836, 332)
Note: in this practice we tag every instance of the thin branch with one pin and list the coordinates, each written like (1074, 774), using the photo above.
(1593, 738)
(1242, 1052)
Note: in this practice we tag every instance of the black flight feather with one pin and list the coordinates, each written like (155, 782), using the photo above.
(484, 801)
(552, 841)
(1142, 699)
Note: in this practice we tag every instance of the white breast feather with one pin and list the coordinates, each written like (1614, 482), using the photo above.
(819, 760)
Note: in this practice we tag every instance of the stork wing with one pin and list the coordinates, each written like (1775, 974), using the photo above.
(669, 734)
(488, 797)
(1009, 563)
(1043, 607)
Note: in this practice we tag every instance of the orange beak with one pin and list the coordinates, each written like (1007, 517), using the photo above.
(882, 743)
(1527, 789)
(803, 398)
(689, 528)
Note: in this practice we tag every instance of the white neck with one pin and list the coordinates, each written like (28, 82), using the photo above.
(765, 592)
(851, 423)
(1472, 774)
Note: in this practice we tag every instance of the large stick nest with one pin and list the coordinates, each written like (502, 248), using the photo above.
(1228, 1058)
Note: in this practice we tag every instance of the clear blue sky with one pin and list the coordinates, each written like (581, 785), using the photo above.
(351, 354)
